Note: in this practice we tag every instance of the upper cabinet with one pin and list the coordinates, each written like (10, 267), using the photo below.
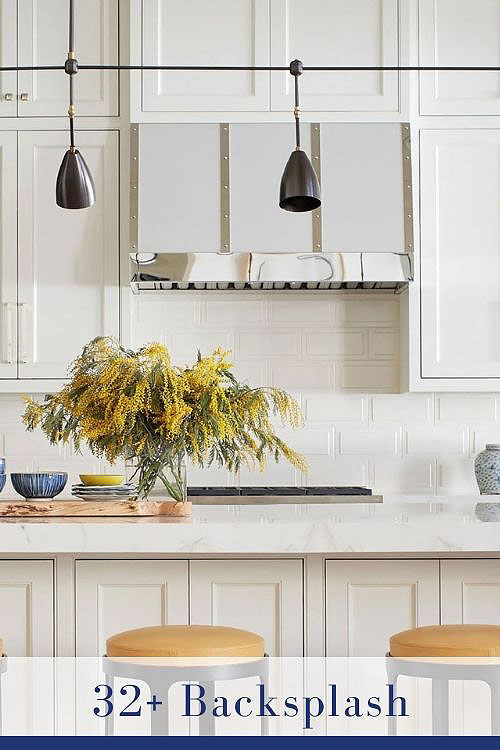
(459, 33)
(263, 33)
(42, 39)
(338, 32)
(460, 255)
(68, 290)
(222, 32)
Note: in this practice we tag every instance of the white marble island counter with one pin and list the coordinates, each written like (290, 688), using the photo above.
(401, 525)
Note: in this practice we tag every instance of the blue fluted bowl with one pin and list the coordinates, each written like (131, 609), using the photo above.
(39, 486)
(3, 477)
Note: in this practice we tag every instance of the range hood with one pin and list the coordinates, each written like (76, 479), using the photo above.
(279, 271)
(205, 214)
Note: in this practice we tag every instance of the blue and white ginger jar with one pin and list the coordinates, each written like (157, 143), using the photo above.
(487, 469)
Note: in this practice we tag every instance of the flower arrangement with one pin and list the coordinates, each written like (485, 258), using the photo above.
(137, 405)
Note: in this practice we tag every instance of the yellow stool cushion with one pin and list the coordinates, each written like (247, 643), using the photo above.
(186, 640)
(447, 640)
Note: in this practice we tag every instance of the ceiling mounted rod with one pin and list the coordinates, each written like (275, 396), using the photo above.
(271, 68)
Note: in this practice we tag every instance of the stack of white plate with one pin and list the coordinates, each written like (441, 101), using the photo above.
(94, 492)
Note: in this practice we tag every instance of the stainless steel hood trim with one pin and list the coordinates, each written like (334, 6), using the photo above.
(269, 271)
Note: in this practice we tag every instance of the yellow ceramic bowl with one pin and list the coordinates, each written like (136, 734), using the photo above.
(102, 480)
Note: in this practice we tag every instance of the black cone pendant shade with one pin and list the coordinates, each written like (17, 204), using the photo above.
(299, 189)
(74, 186)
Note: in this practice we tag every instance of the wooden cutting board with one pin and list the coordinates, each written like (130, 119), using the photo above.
(68, 508)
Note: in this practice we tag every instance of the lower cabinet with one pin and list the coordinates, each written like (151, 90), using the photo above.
(260, 595)
(470, 594)
(27, 607)
(369, 600)
(116, 595)
(264, 596)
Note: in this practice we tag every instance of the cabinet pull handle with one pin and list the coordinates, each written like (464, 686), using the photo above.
(8, 97)
(8, 333)
(23, 333)
(24, 97)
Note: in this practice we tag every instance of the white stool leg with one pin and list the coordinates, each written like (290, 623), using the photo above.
(159, 718)
(440, 700)
(109, 720)
(392, 679)
(206, 725)
(495, 706)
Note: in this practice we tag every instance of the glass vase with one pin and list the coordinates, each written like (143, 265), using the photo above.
(170, 484)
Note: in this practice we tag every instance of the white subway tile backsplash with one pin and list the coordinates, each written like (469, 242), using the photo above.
(455, 407)
(368, 310)
(185, 346)
(383, 344)
(239, 312)
(368, 442)
(345, 344)
(402, 407)
(436, 441)
(456, 476)
(367, 377)
(339, 356)
(409, 475)
(483, 435)
(293, 310)
(324, 470)
(284, 344)
(300, 376)
(334, 407)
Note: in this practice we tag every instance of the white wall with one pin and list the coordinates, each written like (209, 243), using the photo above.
(339, 354)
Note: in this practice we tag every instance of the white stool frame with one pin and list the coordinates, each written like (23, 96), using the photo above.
(441, 673)
(161, 677)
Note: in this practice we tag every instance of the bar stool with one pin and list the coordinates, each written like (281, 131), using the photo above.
(166, 654)
(443, 653)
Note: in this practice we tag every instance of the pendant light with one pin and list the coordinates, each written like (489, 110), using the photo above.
(299, 190)
(74, 186)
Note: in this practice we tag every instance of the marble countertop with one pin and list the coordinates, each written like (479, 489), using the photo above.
(401, 525)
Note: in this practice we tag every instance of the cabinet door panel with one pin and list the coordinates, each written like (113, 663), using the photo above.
(8, 56)
(68, 260)
(26, 607)
(264, 596)
(338, 32)
(470, 594)
(117, 595)
(368, 601)
(459, 33)
(460, 253)
(221, 32)
(43, 40)
(8, 255)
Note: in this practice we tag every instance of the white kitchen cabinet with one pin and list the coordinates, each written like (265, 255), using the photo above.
(338, 32)
(67, 260)
(8, 56)
(26, 607)
(459, 33)
(264, 596)
(43, 40)
(8, 255)
(117, 595)
(367, 601)
(222, 32)
(470, 594)
(460, 255)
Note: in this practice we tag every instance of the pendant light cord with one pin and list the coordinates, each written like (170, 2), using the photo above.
(296, 113)
(71, 70)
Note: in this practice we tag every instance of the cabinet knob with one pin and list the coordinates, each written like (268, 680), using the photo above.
(24, 97)
(8, 97)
